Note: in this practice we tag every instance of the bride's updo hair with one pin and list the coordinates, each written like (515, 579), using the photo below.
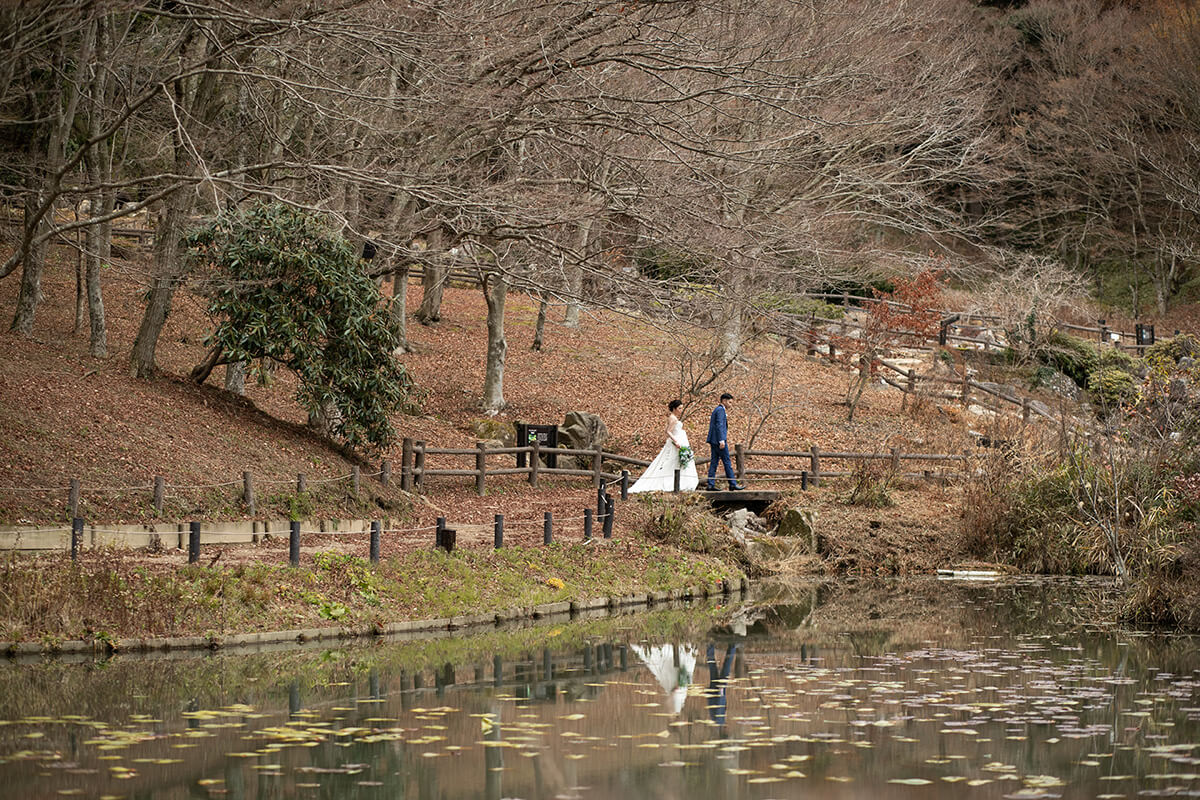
(674, 404)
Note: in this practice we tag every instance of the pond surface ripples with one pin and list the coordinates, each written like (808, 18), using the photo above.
(899, 690)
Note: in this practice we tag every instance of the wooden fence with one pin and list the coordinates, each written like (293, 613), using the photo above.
(416, 469)
(1137, 340)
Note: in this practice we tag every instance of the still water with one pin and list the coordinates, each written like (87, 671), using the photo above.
(897, 690)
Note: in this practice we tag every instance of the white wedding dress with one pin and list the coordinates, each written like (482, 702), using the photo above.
(660, 475)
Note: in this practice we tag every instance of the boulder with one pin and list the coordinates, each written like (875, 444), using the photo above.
(799, 523)
(582, 430)
(494, 431)
(744, 522)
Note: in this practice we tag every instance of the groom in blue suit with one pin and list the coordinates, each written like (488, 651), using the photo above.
(718, 442)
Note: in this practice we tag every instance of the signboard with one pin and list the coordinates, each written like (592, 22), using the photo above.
(546, 437)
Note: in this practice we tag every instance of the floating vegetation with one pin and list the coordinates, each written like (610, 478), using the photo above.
(1009, 711)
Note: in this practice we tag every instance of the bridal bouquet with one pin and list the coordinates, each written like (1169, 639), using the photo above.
(685, 457)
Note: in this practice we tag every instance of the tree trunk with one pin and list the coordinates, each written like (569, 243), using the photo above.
(235, 377)
(34, 258)
(399, 309)
(495, 291)
(44, 179)
(98, 334)
(168, 275)
(433, 278)
(575, 276)
(540, 329)
(734, 311)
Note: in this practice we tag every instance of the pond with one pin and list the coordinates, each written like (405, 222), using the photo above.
(896, 690)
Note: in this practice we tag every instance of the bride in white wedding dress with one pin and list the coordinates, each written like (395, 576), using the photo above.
(675, 455)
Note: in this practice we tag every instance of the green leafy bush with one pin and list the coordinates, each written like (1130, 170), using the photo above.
(1070, 355)
(663, 263)
(289, 291)
(1112, 387)
(1111, 357)
(798, 306)
(1166, 353)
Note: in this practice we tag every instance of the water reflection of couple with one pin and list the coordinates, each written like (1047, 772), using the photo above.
(673, 666)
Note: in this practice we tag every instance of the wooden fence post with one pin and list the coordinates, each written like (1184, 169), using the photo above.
(814, 466)
(587, 524)
(73, 499)
(160, 492)
(1025, 409)
(480, 468)
(675, 478)
(418, 470)
(406, 465)
(374, 541)
(624, 484)
(535, 462)
(248, 491)
(193, 542)
(610, 511)
(895, 460)
(597, 460)
(76, 536)
(385, 473)
(498, 531)
(739, 455)
(301, 483)
(548, 528)
(294, 543)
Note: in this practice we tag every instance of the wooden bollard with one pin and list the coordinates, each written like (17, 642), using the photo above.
(597, 461)
(248, 491)
(301, 483)
(587, 524)
(375, 531)
(294, 543)
(160, 493)
(193, 542)
(895, 460)
(480, 468)
(739, 455)
(675, 480)
(609, 513)
(600, 504)
(624, 484)
(406, 465)
(814, 466)
(385, 473)
(535, 462)
(73, 499)
(498, 536)
(445, 537)
(76, 537)
(548, 528)
(418, 470)
(804, 480)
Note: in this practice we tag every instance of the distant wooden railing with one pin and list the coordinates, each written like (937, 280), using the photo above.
(415, 469)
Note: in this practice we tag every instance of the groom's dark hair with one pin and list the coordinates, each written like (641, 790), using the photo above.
(726, 396)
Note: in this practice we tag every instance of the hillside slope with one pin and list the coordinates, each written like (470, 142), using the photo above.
(64, 415)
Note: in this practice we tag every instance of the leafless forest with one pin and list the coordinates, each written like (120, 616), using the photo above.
(597, 153)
